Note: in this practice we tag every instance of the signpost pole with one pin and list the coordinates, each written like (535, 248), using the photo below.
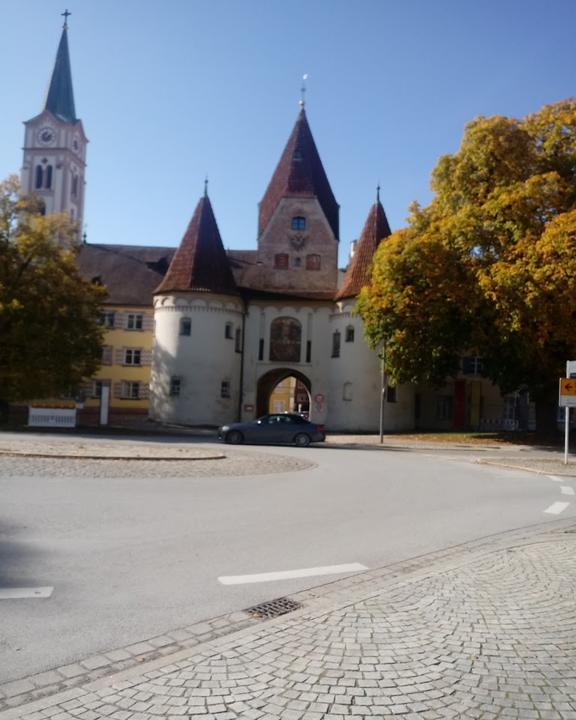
(566, 433)
(568, 400)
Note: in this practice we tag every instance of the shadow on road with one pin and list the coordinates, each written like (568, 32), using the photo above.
(15, 558)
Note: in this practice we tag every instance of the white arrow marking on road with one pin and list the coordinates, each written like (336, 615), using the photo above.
(556, 508)
(290, 574)
(567, 490)
(25, 593)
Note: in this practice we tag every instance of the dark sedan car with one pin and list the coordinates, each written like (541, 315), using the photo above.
(278, 428)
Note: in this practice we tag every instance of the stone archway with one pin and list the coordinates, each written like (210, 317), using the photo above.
(270, 380)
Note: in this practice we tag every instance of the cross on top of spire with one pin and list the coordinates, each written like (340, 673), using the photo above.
(66, 15)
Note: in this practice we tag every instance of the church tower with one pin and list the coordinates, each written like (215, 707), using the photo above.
(55, 144)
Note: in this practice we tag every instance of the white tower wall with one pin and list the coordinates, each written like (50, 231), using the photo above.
(356, 382)
(313, 318)
(202, 362)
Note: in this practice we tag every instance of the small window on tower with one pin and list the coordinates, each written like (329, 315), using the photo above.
(185, 326)
(281, 261)
(74, 190)
(298, 223)
(175, 386)
(313, 262)
(350, 333)
(39, 177)
(225, 389)
(48, 177)
(336, 344)
(228, 331)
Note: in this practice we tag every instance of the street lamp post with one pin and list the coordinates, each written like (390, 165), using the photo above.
(382, 357)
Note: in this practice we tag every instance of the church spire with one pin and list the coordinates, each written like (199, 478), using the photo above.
(60, 97)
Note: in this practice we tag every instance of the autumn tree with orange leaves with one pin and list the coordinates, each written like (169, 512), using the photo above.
(489, 267)
(50, 332)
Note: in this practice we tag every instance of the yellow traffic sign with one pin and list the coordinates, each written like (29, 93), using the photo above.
(567, 386)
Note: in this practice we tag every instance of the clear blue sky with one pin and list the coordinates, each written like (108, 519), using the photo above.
(172, 91)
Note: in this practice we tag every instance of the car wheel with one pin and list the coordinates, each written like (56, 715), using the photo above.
(234, 437)
(302, 440)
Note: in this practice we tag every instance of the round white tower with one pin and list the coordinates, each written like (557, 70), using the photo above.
(198, 341)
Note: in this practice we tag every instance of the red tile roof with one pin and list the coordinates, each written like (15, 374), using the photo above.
(200, 263)
(357, 274)
(299, 173)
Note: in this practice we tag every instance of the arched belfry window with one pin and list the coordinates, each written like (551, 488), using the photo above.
(39, 181)
(48, 177)
(285, 340)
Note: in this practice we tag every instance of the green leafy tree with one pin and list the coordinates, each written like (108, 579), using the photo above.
(489, 267)
(50, 335)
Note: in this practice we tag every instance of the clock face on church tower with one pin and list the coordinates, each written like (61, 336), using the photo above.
(46, 135)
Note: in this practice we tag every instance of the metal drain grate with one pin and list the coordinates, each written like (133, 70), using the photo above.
(273, 608)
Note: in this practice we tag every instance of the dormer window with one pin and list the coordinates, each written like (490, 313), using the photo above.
(298, 223)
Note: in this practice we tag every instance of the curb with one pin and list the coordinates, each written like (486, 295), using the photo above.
(68, 456)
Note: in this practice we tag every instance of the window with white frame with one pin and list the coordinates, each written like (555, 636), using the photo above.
(97, 386)
(107, 319)
(130, 390)
(107, 355)
(349, 336)
(132, 356)
(134, 321)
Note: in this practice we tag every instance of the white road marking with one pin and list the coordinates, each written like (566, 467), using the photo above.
(556, 508)
(25, 593)
(567, 490)
(290, 574)
(556, 478)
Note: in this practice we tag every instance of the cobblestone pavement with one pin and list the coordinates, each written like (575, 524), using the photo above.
(234, 463)
(484, 630)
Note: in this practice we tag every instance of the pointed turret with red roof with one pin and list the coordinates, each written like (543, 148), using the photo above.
(299, 173)
(200, 263)
(375, 230)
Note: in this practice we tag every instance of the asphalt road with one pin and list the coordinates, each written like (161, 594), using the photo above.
(131, 555)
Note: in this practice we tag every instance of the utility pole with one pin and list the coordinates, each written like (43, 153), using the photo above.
(382, 357)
